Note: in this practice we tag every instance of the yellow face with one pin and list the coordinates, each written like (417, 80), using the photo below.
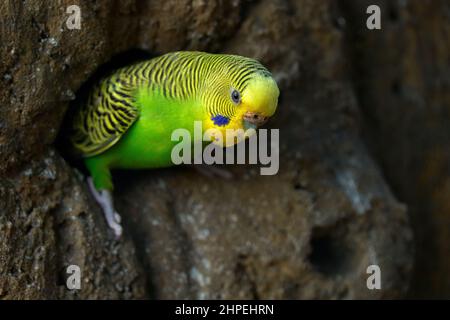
(243, 109)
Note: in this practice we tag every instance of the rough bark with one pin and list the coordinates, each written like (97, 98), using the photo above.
(402, 80)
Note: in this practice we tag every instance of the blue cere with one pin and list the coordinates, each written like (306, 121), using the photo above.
(220, 120)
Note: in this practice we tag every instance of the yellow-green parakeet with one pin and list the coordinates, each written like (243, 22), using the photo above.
(130, 115)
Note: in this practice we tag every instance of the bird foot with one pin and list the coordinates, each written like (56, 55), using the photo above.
(212, 171)
(105, 200)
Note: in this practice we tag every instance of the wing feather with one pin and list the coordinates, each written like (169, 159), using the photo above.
(109, 112)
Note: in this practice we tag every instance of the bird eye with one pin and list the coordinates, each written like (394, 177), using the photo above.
(235, 96)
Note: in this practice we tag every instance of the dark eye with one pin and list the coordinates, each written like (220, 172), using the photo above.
(235, 96)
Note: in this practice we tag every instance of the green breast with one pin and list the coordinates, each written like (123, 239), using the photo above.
(147, 144)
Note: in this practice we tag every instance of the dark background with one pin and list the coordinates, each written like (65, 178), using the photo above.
(364, 163)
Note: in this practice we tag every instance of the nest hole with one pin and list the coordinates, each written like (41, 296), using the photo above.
(330, 254)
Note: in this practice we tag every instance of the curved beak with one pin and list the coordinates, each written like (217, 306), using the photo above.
(254, 119)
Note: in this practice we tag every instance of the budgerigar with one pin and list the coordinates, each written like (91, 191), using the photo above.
(130, 115)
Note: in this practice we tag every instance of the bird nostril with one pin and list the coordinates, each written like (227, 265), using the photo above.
(255, 118)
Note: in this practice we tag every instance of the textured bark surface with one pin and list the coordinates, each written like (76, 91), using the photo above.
(402, 79)
(308, 232)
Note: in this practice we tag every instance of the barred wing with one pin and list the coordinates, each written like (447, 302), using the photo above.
(108, 114)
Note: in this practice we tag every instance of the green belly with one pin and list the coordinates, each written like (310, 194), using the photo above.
(147, 143)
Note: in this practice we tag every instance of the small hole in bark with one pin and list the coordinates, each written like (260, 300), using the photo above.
(393, 14)
(299, 186)
(330, 255)
(396, 87)
(62, 277)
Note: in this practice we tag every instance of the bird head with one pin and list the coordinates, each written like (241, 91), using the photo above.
(240, 94)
